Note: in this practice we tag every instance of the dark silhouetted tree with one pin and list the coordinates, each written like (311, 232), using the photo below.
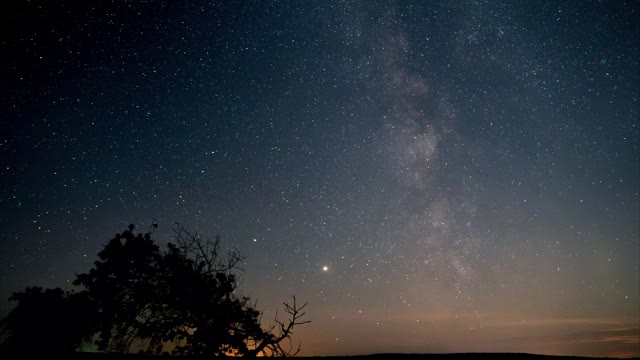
(182, 299)
(123, 284)
(138, 297)
(51, 322)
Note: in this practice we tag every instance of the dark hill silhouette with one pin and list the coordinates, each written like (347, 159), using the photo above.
(389, 356)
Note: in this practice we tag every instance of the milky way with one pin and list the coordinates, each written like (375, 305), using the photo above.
(430, 177)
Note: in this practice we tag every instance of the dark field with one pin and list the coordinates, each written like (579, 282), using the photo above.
(482, 356)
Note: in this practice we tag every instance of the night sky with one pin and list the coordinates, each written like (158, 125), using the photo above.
(430, 176)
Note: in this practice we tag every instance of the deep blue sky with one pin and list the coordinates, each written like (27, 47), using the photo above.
(468, 172)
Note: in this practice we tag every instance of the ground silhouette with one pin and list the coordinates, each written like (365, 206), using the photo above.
(390, 356)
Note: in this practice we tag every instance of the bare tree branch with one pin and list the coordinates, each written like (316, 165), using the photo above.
(206, 253)
(272, 344)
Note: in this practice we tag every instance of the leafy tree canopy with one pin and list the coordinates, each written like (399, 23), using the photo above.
(47, 321)
(180, 299)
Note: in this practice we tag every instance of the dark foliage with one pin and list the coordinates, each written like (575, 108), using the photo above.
(47, 322)
(122, 284)
(140, 298)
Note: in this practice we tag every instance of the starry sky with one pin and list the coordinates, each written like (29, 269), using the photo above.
(430, 176)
